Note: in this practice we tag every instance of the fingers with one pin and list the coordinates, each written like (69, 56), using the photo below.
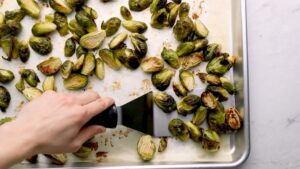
(87, 133)
(85, 97)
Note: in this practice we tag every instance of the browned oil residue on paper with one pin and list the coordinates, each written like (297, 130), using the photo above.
(195, 16)
(116, 85)
(146, 85)
(92, 145)
(133, 93)
(101, 155)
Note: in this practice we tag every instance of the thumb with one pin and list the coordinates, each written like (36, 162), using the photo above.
(88, 132)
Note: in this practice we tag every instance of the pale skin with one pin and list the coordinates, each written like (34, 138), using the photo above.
(50, 124)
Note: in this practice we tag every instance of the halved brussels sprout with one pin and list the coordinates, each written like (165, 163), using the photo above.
(7, 45)
(209, 100)
(165, 102)
(159, 19)
(90, 11)
(146, 148)
(212, 51)
(233, 118)
(85, 21)
(93, 40)
(76, 3)
(81, 51)
(76, 29)
(60, 6)
(61, 21)
(21, 51)
(161, 80)
(179, 90)
(79, 63)
(41, 45)
(209, 78)
(100, 70)
(188, 104)
(83, 152)
(118, 40)
(20, 86)
(135, 26)
(195, 131)
(49, 83)
(31, 7)
(108, 57)
(179, 129)
(228, 85)
(173, 15)
(30, 77)
(15, 15)
(4, 98)
(192, 60)
(152, 65)
(187, 79)
(139, 43)
(127, 57)
(216, 119)
(200, 44)
(157, 5)
(11, 28)
(171, 57)
(163, 144)
(50, 66)
(89, 64)
(111, 26)
(31, 93)
(199, 116)
(185, 48)
(6, 76)
(139, 5)
(184, 10)
(76, 82)
(183, 29)
(70, 47)
(66, 69)
(58, 159)
(211, 141)
(200, 29)
(43, 28)
(126, 14)
(219, 65)
(221, 93)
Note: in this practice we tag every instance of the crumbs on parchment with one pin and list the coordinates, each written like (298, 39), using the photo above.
(146, 85)
(116, 85)
(167, 44)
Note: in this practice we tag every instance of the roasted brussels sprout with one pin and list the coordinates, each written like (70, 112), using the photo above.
(7, 45)
(199, 116)
(6, 76)
(66, 69)
(21, 50)
(171, 57)
(4, 98)
(152, 65)
(31, 93)
(139, 43)
(200, 44)
(195, 131)
(76, 2)
(70, 47)
(165, 102)
(159, 19)
(219, 65)
(49, 83)
(163, 144)
(179, 90)
(184, 10)
(192, 60)
(161, 80)
(108, 57)
(211, 141)
(111, 26)
(81, 51)
(58, 159)
(30, 77)
(221, 93)
(185, 48)
(188, 104)
(212, 51)
(100, 70)
(20, 86)
(135, 26)
(216, 119)
(89, 64)
(118, 40)
(31, 7)
(209, 100)
(146, 148)
(228, 85)
(49, 17)
(76, 29)
(200, 29)
(127, 57)
(209, 78)
(11, 28)
(15, 15)
(50, 66)
(6, 120)
(93, 40)
(126, 14)
(60, 6)
(41, 45)
(139, 5)
(90, 11)
(233, 118)
(183, 29)
(61, 21)
(85, 21)
(79, 63)
(169, 6)
(84, 152)
(43, 28)
(173, 15)
(179, 129)
(157, 5)
(76, 82)
(187, 79)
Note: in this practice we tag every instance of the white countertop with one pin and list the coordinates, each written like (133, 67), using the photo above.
(274, 63)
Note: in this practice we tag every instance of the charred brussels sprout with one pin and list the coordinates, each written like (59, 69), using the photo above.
(195, 131)
(76, 2)
(220, 65)
(212, 51)
(199, 116)
(126, 14)
(100, 70)
(183, 29)
(61, 21)
(185, 48)
(233, 118)
(58, 159)
(49, 83)
(135, 26)
(118, 40)
(108, 57)
(173, 15)
(139, 43)
(188, 104)
(211, 141)
(171, 57)
(66, 69)
(200, 44)
(127, 57)
(6, 76)
(70, 47)
(89, 64)
(93, 40)
(111, 26)
(184, 10)
(43, 28)
(4, 98)
(209, 78)
(20, 86)
(22, 51)
(216, 119)
(159, 19)
(30, 77)
(31, 93)
(187, 79)
(139, 5)
(85, 21)
(209, 100)
(152, 65)
(50, 66)
(60, 6)
(81, 51)
(16, 15)
(200, 29)
(165, 102)
(11, 28)
(161, 80)
(163, 144)
(41, 45)
(179, 129)
(228, 85)
(146, 148)
(179, 90)
(221, 93)
(90, 11)
(31, 7)
(76, 29)
(157, 5)
(191, 60)
(76, 82)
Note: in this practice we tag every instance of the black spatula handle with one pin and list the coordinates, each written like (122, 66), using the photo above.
(108, 118)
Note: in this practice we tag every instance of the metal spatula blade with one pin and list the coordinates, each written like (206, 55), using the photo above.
(138, 114)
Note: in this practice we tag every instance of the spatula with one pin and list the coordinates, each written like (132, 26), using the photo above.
(137, 114)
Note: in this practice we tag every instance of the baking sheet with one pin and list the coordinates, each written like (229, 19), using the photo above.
(121, 143)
